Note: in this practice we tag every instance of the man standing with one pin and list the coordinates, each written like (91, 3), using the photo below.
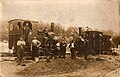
(86, 49)
(79, 46)
(20, 50)
(72, 49)
(63, 45)
(35, 47)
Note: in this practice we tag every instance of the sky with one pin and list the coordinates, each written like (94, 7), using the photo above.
(97, 14)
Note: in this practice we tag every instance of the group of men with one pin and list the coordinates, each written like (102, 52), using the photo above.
(21, 46)
(75, 45)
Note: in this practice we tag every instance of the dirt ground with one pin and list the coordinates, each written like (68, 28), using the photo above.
(9, 68)
(96, 66)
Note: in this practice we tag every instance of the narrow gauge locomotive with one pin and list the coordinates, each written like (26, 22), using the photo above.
(27, 29)
(98, 42)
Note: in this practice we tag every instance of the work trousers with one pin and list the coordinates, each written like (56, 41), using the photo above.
(62, 52)
(20, 55)
(34, 52)
(73, 53)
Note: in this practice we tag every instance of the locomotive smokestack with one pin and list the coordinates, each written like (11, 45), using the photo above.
(80, 31)
(52, 27)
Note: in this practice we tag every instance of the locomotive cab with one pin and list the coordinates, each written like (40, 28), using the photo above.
(107, 44)
(94, 38)
(18, 28)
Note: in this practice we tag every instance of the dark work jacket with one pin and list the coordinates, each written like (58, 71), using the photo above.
(79, 43)
(86, 46)
(63, 45)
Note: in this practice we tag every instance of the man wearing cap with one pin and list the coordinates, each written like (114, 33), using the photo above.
(20, 50)
(35, 47)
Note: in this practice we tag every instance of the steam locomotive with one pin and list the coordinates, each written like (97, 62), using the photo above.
(98, 42)
(28, 29)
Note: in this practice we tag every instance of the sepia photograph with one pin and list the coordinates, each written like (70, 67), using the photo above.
(59, 38)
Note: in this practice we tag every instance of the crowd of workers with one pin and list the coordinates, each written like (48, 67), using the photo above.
(74, 46)
(51, 48)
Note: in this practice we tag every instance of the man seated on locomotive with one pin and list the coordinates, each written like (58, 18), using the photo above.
(55, 39)
(35, 47)
(53, 47)
(63, 45)
(20, 51)
(45, 31)
(72, 49)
